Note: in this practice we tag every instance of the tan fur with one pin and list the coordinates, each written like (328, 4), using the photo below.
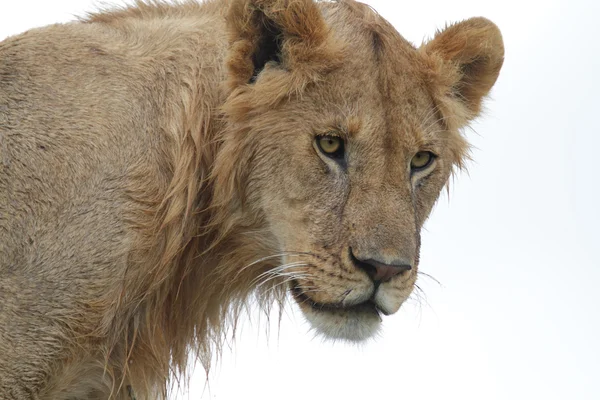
(151, 181)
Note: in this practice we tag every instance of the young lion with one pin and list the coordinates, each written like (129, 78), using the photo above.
(159, 164)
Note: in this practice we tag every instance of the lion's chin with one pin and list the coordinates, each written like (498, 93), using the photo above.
(354, 323)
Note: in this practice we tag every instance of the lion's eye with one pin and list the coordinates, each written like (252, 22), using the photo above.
(421, 160)
(331, 146)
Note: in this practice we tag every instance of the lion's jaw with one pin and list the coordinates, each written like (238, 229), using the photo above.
(357, 315)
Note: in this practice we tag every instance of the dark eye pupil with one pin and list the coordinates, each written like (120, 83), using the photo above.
(331, 146)
(421, 160)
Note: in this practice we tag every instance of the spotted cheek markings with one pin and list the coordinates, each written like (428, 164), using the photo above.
(336, 288)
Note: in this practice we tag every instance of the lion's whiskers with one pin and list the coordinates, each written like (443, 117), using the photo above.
(260, 260)
(277, 271)
(280, 272)
(290, 276)
(421, 273)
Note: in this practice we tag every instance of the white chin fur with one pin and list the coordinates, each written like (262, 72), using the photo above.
(387, 303)
(351, 325)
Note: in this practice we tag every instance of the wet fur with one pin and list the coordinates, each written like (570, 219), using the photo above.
(131, 189)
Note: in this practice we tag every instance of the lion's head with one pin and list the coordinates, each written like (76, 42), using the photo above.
(340, 137)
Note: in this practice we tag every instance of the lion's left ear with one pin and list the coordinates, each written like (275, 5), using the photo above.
(465, 60)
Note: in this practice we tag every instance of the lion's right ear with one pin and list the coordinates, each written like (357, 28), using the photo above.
(288, 34)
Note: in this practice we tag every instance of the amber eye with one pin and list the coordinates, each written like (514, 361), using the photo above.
(332, 146)
(421, 160)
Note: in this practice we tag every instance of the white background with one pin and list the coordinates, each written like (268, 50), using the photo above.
(516, 248)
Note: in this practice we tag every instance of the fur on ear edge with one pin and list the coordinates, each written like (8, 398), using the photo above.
(291, 33)
(464, 63)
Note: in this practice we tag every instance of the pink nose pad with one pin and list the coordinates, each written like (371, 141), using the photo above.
(378, 271)
(385, 272)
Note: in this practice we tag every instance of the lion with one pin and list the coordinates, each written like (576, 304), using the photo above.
(161, 165)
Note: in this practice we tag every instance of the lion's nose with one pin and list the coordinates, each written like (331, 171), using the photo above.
(377, 270)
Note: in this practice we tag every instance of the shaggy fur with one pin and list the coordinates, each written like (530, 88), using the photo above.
(159, 166)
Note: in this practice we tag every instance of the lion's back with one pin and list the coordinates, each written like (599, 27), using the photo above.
(71, 124)
(81, 106)
(62, 148)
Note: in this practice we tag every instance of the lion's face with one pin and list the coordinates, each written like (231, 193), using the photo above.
(344, 174)
(346, 182)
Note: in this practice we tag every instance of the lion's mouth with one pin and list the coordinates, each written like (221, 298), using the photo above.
(302, 298)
